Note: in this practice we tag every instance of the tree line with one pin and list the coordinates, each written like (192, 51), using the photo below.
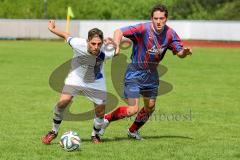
(120, 9)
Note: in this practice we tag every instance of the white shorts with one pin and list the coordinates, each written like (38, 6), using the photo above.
(95, 92)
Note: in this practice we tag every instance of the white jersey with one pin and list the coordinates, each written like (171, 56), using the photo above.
(87, 69)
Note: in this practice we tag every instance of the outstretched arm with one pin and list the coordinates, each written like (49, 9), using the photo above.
(117, 39)
(184, 52)
(53, 29)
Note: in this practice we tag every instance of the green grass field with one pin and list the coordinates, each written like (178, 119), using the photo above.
(201, 112)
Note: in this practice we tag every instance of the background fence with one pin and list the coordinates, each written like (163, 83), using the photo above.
(186, 29)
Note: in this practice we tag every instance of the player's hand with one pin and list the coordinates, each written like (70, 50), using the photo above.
(109, 41)
(187, 51)
(51, 25)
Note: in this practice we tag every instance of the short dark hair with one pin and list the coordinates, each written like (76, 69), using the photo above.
(95, 32)
(161, 8)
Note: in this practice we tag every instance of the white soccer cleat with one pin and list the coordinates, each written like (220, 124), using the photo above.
(104, 126)
(134, 135)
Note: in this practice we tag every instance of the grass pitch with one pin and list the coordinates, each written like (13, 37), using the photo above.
(198, 119)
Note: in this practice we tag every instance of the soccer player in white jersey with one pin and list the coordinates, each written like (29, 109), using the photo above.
(86, 76)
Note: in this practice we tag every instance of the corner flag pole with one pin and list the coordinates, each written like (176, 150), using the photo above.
(69, 15)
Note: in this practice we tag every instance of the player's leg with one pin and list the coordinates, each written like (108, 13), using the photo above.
(98, 122)
(58, 111)
(124, 111)
(131, 93)
(96, 92)
(144, 114)
(65, 100)
(142, 118)
(120, 113)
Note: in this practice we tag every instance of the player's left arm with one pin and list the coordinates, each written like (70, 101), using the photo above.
(176, 46)
(184, 52)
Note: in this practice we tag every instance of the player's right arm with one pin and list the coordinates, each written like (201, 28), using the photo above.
(53, 29)
(131, 32)
(117, 37)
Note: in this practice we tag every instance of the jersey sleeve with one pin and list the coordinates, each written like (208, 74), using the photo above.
(176, 44)
(109, 51)
(76, 43)
(132, 32)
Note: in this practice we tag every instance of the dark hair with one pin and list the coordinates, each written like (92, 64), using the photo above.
(95, 32)
(161, 8)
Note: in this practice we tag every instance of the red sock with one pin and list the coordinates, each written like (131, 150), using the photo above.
(140, 120)
(119, 113)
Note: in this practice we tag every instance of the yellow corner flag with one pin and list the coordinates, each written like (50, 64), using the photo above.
(69, 15)
(70, 12)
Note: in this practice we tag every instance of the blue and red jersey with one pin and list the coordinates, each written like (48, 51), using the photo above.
(148, 45)
(149, 48)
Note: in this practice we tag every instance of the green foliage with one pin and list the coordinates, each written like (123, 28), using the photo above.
(120, 9)
(205, 9)
(21, 9)
(229, 11)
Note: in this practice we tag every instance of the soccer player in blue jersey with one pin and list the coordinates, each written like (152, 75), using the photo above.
(150, 43)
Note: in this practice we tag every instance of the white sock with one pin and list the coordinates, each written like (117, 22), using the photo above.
(97, 125)
(55, 127)
(98, 122)
(94, 133)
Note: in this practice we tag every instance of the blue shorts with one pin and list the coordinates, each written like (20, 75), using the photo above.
(134, 91)
(138, 80)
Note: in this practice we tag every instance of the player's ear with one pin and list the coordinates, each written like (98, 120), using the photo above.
(166, 18)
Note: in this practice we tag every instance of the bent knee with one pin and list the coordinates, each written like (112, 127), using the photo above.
(63, 103)
(100, 114)
(132, 110)
(99, 110)
(150, 109)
